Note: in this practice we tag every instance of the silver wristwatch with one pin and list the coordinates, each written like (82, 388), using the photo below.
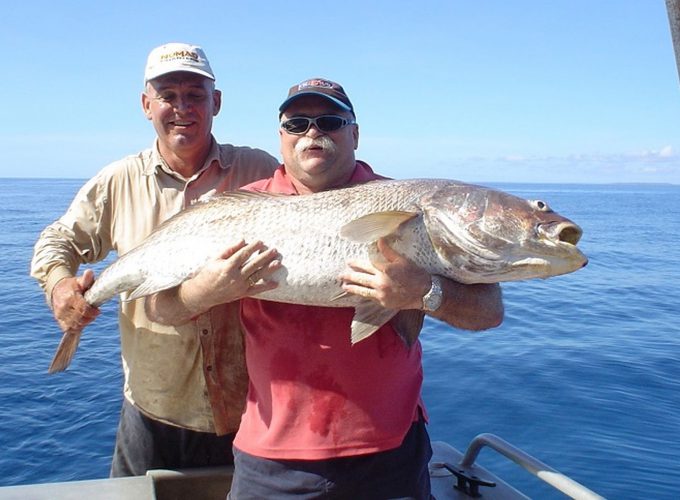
(432, 300)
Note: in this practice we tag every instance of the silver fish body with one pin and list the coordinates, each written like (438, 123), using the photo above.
(468, 233)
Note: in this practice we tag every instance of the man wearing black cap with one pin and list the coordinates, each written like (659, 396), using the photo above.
(184, 386)
(324, 417)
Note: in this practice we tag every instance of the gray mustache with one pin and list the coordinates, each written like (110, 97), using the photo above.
(324, 142)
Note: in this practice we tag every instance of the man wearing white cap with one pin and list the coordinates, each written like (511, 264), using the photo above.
(184, 386)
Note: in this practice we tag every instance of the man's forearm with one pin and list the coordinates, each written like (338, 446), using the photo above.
(171, 307)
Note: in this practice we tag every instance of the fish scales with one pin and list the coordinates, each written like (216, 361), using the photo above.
(304, 230)
(468, 233)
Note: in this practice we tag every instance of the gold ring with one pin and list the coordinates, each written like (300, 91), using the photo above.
(251, 281)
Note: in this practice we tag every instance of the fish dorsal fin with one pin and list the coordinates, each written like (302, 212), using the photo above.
(243, 194)
(373, 226)
(407, 324)
(368, 317)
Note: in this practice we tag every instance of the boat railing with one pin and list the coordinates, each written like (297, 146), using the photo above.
(544, 472)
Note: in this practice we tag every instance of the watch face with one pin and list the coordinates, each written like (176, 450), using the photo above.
(433, 298)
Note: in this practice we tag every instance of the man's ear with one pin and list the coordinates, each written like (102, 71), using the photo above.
(146, 105)
(217, 101)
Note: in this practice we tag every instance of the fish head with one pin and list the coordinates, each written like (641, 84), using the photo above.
(485, 235)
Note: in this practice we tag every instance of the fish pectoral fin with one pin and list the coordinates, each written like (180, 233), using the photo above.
(368, 317)
(376, 225)
(150, 286)
(407, 324)
(67, 348)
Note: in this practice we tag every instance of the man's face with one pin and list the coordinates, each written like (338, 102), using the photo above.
(181, 107)
(318, 160)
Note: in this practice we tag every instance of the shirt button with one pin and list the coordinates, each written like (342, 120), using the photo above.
(209, 368)
(205, 332)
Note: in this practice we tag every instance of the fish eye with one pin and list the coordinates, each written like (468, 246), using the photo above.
(540, 205)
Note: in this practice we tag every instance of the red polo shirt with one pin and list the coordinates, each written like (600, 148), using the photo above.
(312, 395)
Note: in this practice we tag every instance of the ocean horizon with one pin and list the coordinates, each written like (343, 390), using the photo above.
(493, 182)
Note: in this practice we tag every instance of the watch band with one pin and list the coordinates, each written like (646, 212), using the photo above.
(432, 300)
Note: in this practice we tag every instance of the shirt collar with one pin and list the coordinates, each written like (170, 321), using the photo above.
(157, 162)
(281, 182)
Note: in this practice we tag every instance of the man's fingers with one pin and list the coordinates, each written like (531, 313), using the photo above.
(77, 317)
(86, 280)
(260, 263)
(233, 249)
(357, 278)
(364, 267)
(246, 253)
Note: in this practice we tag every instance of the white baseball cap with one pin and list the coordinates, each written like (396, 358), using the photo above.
(173, 57)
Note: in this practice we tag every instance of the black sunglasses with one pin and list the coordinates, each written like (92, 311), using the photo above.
(299, 125)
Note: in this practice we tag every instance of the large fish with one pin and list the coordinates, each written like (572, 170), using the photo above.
(468, 233)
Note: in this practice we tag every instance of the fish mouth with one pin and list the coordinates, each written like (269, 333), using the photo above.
(561, 232)
(564, 235)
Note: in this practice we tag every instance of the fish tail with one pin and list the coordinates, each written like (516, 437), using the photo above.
(67, 348)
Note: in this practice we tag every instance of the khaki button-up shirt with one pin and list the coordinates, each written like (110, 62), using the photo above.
(191, 376)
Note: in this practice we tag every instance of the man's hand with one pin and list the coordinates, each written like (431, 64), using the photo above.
(399, 284)
(242, 270)
(70, 308)
(396, 283)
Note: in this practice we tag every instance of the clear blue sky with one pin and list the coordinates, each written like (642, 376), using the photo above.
(476, 90)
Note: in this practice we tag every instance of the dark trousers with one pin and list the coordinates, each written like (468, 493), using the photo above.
(398, 473)
(143, 443)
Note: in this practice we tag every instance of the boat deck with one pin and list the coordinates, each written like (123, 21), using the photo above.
(453, 476)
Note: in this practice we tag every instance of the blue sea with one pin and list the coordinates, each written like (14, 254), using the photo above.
(584, 373)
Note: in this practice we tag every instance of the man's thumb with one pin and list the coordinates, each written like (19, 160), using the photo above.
(85, 281)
